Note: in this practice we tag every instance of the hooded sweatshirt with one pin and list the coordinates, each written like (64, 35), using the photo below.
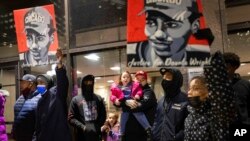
(87, 112)
(171, 110)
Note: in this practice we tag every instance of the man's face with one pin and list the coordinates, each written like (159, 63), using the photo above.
(168, 76)
(168, 32)
(38, 44)
(140, 78)
(230, 69)
(24, 84)
(41, 81)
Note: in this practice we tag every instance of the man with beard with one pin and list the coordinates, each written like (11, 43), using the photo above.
(87, 112)
(25, 109)
(171, 108)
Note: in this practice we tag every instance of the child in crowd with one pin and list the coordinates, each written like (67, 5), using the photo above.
(128, 89)
(111, 128)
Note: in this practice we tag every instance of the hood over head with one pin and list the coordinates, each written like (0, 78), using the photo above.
(173, 87)
(87, 87)
(47, 79)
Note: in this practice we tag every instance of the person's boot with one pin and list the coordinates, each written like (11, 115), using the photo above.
(149, 134)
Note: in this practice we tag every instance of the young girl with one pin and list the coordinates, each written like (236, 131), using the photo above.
(111, 128)
(128, 89)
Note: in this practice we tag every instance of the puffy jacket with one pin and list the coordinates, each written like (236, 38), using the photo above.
(116, 92)
(25, 116)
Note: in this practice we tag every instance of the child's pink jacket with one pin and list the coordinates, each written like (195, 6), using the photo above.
(116, 92)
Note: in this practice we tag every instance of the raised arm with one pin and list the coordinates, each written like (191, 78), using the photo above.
(61, 77)
(221, 94)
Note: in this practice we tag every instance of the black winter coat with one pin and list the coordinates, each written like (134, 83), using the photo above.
(242, 90)
(86, 130)
(51, 122)
(134, 131)
(169, 121)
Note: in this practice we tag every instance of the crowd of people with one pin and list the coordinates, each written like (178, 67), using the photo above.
(42, 113)
(214, 101)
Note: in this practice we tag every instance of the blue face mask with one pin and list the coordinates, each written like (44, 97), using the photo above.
(41, 89)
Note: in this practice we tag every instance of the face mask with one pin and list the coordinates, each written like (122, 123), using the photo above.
(41, 89)
(89, 89)
(168, 87)
(195, 101)
(166, 84)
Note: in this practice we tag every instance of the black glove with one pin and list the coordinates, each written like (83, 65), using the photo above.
(90, 128)
(111, 133)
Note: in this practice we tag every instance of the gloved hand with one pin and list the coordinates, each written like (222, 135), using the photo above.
(131, 103)
(90, 128)
(111, 134)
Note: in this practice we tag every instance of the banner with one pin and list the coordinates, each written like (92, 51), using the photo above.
(166, 33)
(36, 35)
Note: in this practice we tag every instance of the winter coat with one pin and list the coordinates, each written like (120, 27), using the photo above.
(116, 92)
(169, 119)
(211, 121)
(87, 114)
(113, 134)
(51, 122)
(134, 131)
(3, 134)
(171, 111)
(25, 116)
(242, 90)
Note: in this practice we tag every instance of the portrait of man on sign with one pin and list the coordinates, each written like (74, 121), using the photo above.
(40, 34)
(169, 29)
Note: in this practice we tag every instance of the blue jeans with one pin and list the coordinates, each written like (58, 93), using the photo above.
(140, 116)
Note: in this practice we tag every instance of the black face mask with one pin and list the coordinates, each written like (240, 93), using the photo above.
(168, 87)
(195, 101)
(88, 91)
